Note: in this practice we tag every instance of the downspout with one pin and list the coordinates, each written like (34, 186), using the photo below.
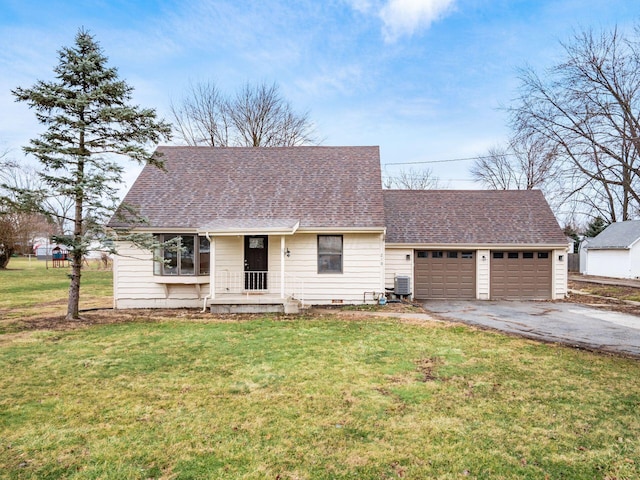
(211, 273)
(282, 254)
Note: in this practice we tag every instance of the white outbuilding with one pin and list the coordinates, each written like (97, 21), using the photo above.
(615, 252)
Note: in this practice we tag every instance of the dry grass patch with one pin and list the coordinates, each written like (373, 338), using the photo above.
(619, 292)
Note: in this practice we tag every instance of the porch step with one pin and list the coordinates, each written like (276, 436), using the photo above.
(254, 304)
(248, 308)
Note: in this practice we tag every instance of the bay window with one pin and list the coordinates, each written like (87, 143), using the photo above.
(181, 255)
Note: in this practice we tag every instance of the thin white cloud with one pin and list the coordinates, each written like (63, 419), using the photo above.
(406, 17)
(343, 79)
(362, 6)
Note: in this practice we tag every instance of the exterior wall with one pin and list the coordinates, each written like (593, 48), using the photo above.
(396, 264)
(368, 267)
(135, 285)
(634, 255)
(609, 263)
(362, 268)
(229, 264)
(560, 272)
(482, 274)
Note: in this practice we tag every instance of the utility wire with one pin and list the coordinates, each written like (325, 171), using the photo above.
(450, 159)
(439, 179)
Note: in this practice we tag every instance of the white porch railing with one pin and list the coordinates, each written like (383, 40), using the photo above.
(227, 282)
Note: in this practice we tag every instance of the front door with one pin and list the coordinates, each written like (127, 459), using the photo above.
(255, 262)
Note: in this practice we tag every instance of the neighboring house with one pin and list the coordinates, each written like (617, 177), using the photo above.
(42, 248)
(267, 225)
(615, 252)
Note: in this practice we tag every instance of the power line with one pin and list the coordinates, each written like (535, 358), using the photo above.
(440, 180)
(450, 159)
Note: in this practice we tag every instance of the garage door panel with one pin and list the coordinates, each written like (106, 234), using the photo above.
(445, 274)
(527, 275)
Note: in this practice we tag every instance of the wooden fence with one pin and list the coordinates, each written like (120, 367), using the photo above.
(574, 262)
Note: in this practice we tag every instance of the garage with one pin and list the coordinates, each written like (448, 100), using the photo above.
(521, 275)
(445, 274)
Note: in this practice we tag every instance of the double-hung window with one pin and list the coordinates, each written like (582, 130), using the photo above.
(181, 255)
(329, 253)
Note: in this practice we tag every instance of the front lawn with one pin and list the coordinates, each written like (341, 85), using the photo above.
(311, 398)
(179, 395)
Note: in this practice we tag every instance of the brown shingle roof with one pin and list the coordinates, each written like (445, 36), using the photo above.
(470, 217)
(317, 186)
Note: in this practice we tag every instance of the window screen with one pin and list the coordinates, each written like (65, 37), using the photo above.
(329, 253)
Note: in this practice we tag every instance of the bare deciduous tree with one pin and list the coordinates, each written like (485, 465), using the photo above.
(200, 117)
(256, 116)
(527, 162)
(495, 169)
(412, 179)
(589, 107)
(18, 228)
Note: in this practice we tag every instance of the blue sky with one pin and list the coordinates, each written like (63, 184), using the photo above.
(423, 79)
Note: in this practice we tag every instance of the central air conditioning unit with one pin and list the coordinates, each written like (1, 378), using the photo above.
(402, 285)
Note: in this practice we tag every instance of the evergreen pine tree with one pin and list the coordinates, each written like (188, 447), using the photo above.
(90, 126)
(596, 226)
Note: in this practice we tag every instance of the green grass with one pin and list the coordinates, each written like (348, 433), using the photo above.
(28, 288)
(309, 398)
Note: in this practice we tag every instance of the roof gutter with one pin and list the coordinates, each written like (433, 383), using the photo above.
(478, 246)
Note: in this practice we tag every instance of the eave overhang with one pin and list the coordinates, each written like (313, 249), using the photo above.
(235, 227)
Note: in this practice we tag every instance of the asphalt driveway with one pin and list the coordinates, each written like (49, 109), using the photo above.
(560, 322)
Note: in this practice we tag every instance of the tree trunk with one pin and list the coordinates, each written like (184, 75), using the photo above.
(73, 308)
(5, 256)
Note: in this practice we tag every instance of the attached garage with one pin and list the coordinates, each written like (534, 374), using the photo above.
(474, 244)
(521, 274)
(445, 274)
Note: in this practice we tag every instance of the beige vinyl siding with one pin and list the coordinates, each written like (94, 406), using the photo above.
(396, 264)
(482, 274)
(362, 268)
(133, 276)
(135, 285)
(229, 264)
(560, 274)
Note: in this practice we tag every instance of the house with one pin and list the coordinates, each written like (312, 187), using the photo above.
(257, 225)
(261, 227)
(615, 252)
